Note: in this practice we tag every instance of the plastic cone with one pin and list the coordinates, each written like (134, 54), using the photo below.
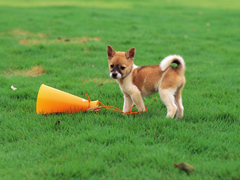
(51, 100)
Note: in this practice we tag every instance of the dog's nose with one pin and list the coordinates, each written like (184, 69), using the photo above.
(114, 75)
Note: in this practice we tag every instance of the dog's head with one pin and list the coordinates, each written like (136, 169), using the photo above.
(120, 63)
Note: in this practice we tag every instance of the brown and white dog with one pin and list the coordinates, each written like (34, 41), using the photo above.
(140, 81)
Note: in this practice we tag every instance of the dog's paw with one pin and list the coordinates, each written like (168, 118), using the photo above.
(142, 110)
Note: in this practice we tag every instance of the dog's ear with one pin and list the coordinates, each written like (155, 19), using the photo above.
(130, 53)
(110, 52)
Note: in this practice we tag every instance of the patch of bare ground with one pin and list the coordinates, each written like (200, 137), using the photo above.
(73, 40)
(25, 37)
(98, 80)
(32, 72)
(19, 33)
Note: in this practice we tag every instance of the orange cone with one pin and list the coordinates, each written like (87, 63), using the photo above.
(51, 100)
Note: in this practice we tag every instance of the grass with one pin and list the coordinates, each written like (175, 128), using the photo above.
(63, 44)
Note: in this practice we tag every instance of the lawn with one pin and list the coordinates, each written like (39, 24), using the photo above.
(63, 44)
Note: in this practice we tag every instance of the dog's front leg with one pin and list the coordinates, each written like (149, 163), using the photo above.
(127, 103)
(137, 99)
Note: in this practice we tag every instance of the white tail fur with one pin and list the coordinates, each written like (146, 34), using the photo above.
(170, 59)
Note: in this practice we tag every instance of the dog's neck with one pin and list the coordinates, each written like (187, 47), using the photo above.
(128, 78)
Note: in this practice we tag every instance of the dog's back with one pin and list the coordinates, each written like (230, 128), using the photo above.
(149, 79)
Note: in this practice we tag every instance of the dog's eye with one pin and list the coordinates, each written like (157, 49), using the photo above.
(111, 65)
(122, 67)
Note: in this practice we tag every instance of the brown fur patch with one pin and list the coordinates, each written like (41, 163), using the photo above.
(146, 77)
(33, 72)
(172, 79)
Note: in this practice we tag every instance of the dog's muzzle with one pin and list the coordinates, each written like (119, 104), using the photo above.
(115, 75)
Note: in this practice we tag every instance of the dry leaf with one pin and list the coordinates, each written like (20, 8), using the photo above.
(66, 40)
(99, 84)
(57, 123)
(154, 99)
(93, 65)
(185, 167)
(95, 109)
(13, 88)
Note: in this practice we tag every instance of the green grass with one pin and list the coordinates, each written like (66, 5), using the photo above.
(107, 145)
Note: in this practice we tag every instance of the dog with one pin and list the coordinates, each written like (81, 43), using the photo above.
(139, 81)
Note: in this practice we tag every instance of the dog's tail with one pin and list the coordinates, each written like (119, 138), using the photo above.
(173, 59)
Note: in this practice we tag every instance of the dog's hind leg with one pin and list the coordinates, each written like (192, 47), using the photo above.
(178, 100)
(167, 96)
